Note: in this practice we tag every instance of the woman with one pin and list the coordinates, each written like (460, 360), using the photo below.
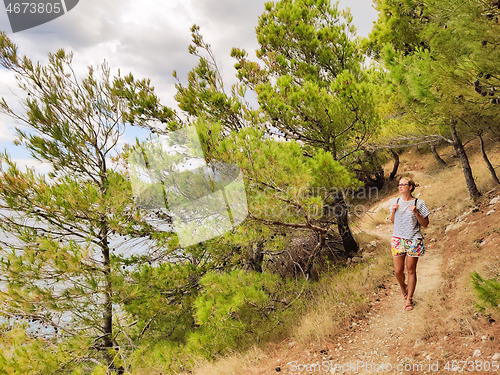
(408, 214)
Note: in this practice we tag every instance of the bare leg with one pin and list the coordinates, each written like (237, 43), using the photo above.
(399, 272)
(411, 268)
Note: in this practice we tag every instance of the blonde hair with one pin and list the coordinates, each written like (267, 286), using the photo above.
(411, 183)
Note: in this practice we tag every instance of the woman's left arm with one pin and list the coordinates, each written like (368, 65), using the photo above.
(423, 221)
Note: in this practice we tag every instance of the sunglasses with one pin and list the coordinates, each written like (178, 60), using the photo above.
(403, 185)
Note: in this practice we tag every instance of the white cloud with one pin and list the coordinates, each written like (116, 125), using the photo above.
(39, 167)
(150, 37)
(7, 133)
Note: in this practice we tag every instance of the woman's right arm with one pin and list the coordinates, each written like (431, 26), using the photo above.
(395, 206)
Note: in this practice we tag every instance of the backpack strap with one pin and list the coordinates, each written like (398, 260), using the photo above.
(417, 210)
(397, 201)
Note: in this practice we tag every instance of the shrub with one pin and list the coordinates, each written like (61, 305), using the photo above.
(233, 310)
(488, 291)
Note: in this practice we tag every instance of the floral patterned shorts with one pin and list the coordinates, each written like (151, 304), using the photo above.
(412, 247)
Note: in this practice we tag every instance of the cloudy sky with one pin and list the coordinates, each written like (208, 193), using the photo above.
(146, 37)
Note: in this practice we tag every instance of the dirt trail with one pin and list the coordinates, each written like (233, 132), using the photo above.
(377, 343)
(374, 344)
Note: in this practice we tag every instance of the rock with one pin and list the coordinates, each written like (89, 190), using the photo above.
(495, 201)
(356, 260)
(452, 226)
(464, 215)
(293, 343)
(373, 244)
(490, 212)
(477, 353)
(496, 357)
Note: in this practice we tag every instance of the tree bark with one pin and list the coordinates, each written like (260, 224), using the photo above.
(487, 161)
(437, 157)
(256, 256)
(107, 314)
(341, 212)
(462, 156)
(396, 165)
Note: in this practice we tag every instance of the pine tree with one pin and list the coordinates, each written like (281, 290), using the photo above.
(310, 84)
(58, 260)
(449, 85)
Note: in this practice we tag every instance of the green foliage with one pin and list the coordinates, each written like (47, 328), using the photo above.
(159, 300)
(399, 24)
(488, 290)
(50, 275)
(310, 85)
(25, 355)
(233, 310)
(455, 73)
(448, 82)
(283, 185)
(230, 311)
(141, 105)
(318, 111)
(205, 95)
(161, 357)
(307, 39)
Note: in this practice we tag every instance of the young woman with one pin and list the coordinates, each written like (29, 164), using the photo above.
(408, 214)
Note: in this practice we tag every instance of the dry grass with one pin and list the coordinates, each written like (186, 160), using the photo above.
(232, 364)
(340, 298)
(380, 216)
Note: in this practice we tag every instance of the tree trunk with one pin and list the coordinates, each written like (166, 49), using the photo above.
(107, 315)
(396, 165)
(256, 256)
(462, 156)
(341, 211)
(487, 161)
(437, 157)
